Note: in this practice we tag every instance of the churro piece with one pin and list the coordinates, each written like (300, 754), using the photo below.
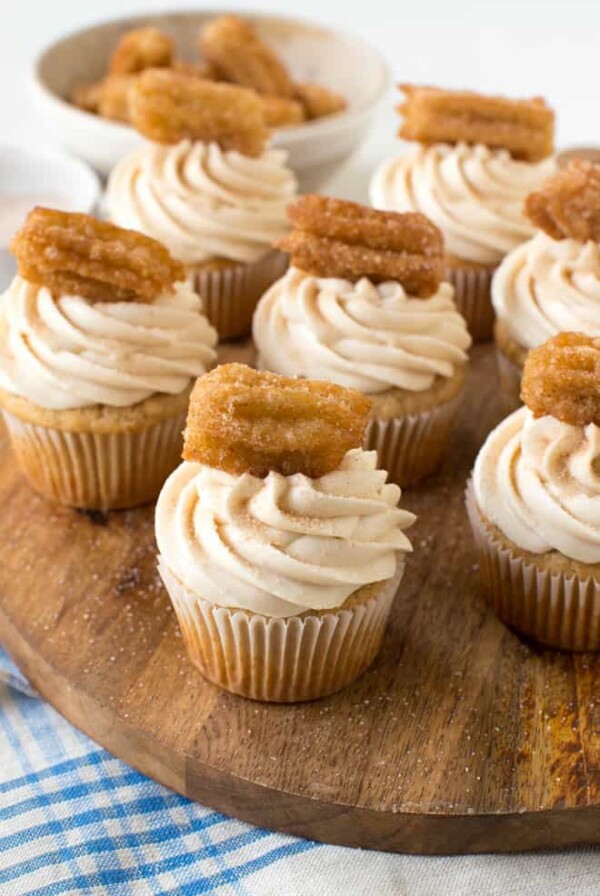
(168, 106)
(568, 205)
(335, 238)
(281, 112)
(420, 276)
(202, 69)
(319, 101)
(359, 225)
(87, 96)
(115, 97)
(72, 253)
(139, 49)
(234, 47)
(433, 115)
(562, 378)
(243, 421)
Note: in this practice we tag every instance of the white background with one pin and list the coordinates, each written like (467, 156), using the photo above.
(522, 48)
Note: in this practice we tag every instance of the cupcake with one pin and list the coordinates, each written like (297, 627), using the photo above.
(207, 186)
(534, 499)
(374, 319)
(100, 340)
(280, 543)
(478, 160)
(552, 282)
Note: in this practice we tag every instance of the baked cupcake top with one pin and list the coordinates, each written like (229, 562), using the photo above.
(277, 509)
(206, 185)
(552, 282)
(97, 315)
(536, 476)
(370, 333)
(479, 158)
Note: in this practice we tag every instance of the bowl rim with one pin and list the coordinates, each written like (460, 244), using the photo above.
(298, 133)
(49, 155)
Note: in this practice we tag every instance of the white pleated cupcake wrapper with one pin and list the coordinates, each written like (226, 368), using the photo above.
(472, 296)
(510, 382)
(555, 609)
(412, 447)
(230, 295)
(97, 472)
(280, 660)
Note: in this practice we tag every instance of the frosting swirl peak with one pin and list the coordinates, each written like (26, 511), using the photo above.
(203, 202)
(547, 286)
(361, 335)
(68, 352)
(538, 481)
(474, 194)
(280, 546)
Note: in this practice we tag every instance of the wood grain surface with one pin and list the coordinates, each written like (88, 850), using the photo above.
(461, 738)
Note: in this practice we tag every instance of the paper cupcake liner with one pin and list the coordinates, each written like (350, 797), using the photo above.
(280, 660)
(472, 296)
(510, 382)
(412, 447)
(97, 471)
(553, 608)
(230, 295)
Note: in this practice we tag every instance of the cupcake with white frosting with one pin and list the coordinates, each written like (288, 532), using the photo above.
(407, 353)
(534, 499)
(549, 284)
(94, 393)
(217, 209)
(282, 582)
(471, 189)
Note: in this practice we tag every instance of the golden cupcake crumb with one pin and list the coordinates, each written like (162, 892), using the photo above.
(244, 421)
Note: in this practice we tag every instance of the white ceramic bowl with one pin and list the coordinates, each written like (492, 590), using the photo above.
(35, 176)
(316, 149)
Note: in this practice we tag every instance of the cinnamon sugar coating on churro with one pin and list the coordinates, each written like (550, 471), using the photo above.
(115, 97)
(87, 96)
(568, 205)
(432, 115)
(318, 101)
(281, 112)
(562, 378)
(335, 238)
(72, 253)
(235, 49)
(168, 106)
(139, 49)
(243, 421)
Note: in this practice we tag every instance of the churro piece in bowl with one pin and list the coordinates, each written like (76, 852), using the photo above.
(534, 499)
(100, 340)
(552, 282)
(364, 305)
(139, 49)
(281, 544)
(478, 158)
(232, 45)
(209, 187)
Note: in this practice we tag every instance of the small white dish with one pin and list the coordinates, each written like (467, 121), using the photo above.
(316, 149)
(33, 176)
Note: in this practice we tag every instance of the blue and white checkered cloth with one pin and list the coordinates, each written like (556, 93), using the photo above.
(74, 820)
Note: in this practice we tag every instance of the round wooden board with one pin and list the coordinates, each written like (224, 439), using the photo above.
(461, 737)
